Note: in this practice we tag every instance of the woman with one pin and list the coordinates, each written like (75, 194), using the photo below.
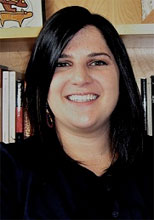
(88, 157)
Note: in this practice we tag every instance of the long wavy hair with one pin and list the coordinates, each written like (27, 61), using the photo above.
(126, 122)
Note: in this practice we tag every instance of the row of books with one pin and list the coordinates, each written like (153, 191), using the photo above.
(147, 95)
(12, 114)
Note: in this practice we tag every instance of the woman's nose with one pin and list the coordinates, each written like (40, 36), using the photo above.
(81, 76)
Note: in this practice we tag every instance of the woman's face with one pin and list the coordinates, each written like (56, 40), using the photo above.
(85, 87)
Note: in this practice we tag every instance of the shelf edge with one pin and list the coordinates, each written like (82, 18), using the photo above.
(131, 29)
(26, 32)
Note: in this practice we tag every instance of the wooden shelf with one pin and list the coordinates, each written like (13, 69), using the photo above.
(26, 32)
(133, 29)
(123, 29)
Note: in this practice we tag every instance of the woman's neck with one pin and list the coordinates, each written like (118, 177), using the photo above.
(93, 151)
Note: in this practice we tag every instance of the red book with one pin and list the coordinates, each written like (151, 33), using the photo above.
(19, 109)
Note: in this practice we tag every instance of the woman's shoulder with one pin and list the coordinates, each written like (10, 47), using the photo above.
(136, 180)
(147, 155)
(22, 152)
(145, 173)
(17, 161)
(141, 169)
(144, 160)
(20, 146)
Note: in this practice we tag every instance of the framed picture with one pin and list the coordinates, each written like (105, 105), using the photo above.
(18, 14)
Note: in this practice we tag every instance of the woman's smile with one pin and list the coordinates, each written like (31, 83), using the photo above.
(82, 98)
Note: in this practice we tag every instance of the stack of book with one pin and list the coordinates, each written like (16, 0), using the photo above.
(11, 106)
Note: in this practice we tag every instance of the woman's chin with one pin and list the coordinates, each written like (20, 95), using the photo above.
(84, 124)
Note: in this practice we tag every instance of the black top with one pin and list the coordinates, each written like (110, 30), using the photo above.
(39, 181)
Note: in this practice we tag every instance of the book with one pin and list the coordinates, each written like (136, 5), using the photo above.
(2, 67)
(143, 82)
(5, 106)
(19, 109)
(27, 126)
(149, 107)
(152, 102)
(12, 106)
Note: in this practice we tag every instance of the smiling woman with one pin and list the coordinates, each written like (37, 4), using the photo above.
(87, 121)
(85, 85)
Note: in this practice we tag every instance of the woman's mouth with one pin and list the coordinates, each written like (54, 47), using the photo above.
(82, 97)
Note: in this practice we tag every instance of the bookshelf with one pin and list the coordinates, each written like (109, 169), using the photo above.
(126, 16)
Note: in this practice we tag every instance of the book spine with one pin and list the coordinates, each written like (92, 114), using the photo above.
(144, 101)
(19, 110)
(149, 107)
(27, 127)
(152, 102)
(2, 68)
(5, 107)
(12, 107)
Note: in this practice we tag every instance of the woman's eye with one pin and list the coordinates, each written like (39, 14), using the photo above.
(62, 64)
(98, 63)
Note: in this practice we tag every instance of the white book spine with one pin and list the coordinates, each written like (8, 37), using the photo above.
(149, 106)
(12, 107)
(5, 107)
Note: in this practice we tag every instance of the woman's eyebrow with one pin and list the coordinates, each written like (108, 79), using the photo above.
(99, 54)
(63, 55)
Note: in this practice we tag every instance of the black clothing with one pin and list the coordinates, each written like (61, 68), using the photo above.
(42, 182)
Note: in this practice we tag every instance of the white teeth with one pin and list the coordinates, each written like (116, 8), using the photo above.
(82, 98)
